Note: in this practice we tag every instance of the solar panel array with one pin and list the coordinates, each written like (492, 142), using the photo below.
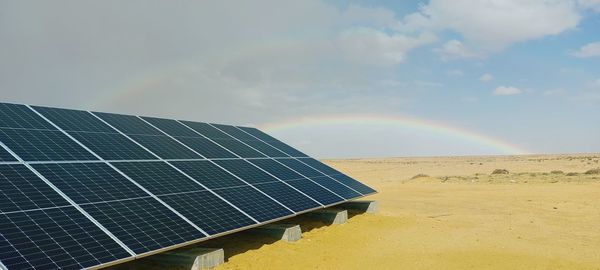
(82, 189)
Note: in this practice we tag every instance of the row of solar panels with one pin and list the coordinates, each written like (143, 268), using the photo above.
(81, 189)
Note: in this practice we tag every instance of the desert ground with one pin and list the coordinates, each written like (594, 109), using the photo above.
(543, 214)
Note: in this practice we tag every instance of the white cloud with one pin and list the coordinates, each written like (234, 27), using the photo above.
(494, 25)
(455, 49)
(588, 50)
(486, 77)
(507, 91)
(374, 47)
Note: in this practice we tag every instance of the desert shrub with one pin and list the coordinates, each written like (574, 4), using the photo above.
(572, 174)
(421, 175)
(593, 171)
(557, 172)
(500, 171)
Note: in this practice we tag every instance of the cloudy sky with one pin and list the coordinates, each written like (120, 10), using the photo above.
(334, 78)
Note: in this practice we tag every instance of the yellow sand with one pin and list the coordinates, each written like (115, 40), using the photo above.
(458, 218)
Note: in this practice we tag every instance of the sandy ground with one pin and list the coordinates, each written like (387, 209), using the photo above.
(459, 217)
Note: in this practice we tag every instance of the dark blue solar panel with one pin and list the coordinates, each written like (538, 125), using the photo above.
(165, 147)
(208, 174)
(6, 156)
(111, 146)
(208, 211)
(265, 148)
(171, 127)
(299, 167)
(287, 196)
(43, 145)
(20, 116)
(158, 177)
(128, 124)
(205, 147)
(273, 142)
(348, 181)
(21, 189)
(234, 132)
(275, 168)
(73, 120)
(336, 187)
(206, 130)
(57, 238)
(246, 171)
(315, 191)
(239, 148)
(143, 224)
(317, 165)
(89, 182)
(254, 203)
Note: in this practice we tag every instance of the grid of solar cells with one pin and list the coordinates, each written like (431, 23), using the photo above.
(206, 130)
(208, 174)
(254, 203)
(275, 168)
(208, 211)
(89, 182)
(143, 224)
(6, 156)
(348, 181)
(158, 177)
(20, 116)
(21, 189)
(165, 147)
(251, 141)
(322, 195)
(112, 146)
(336, 187)
(234, 132)
(57, 238)
(239, 148)
(246, 171)
(128, 124)
(273, 142)
(205, 147)
(287, 196)
(43, 145)
(171, 127)
(299, 167)
(73, 120)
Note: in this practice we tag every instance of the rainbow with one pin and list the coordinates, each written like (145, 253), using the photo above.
(397, 122)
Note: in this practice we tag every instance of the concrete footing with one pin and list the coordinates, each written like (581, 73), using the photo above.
(194, 259)
(329, 215)
(369, 207)
(285, 232)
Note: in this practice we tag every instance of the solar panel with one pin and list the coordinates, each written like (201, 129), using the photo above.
(88, 189)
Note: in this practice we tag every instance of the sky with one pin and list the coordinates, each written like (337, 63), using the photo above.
(335, 78)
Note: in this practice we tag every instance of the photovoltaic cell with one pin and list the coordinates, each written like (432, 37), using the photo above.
(336, 187)
(246, 171)
(273, 142)
(20, 116)
(208, 174)
(43, 145)
(299, 167)
(6, 156)
(205, 147)
(89, 182)
(158, 177)
(73, 120)
(346, 180)
(287, 196)
(254, 203)
(265, 148)
(315, 191)
(275, 168)
(235, 132)
(128, 124)
(21, 189)
(208, 211)
(143, 224)
(319, 166)
(171, 127)
(112, 146)
(165, 147)
(206, 130)
(57, 238)
(238, 148)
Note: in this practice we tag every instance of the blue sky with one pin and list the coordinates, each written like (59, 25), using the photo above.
(526, 73)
